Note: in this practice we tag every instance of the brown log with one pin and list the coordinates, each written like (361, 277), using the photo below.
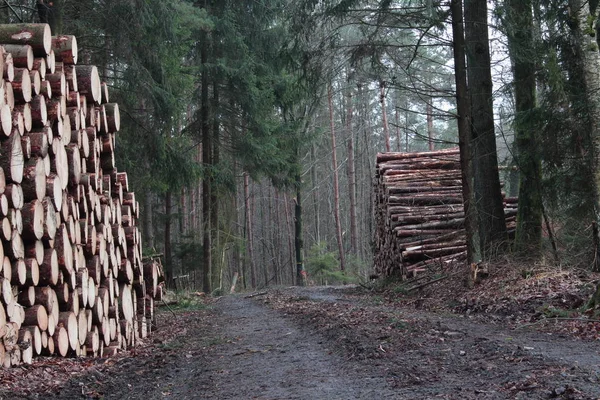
(19, 272)
(74, 164)
(34, 180)
(5, 229)
(89, 82)
(36, 339)
(6, 290)
(36, 84)
(58, 84)
(26, 298)
(63, 248)
(61, 341)
(8, 72)
(105, 94)
(11, 159)
(36, 316)
(49, 269)
(39, 65)
(16, 250)
(21, 86)
(60, 164)
(38, 36)
(39, 112)
(65, 48)
(68, 320)
(14, 195)
(92, 341)
(22, 55)
(33, 220)
(35, 249)
(32, 272)
(2, 187)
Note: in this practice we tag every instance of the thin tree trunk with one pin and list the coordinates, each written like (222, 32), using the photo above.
(398, 135)
(206, 161)
(351, 177)
(406, 135)
(464, 131)
(298, 241)
(386, 131)
(168, 257)
(336, 186)
(488, 194)
(148, 227)
(216, 267)
(430, 126)
(288, 225)
(249, 235)
(276, 233)
(263, 233)
(316, 194)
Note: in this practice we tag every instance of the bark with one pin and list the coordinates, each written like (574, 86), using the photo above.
(168, 257)
(519, 21)
(214, 200)
(207, 163)
(430, 126)
(316, 195)
(386, 131)
(298, 241)
(249, 232)
(288, 225)
(336, 186)
(488, 196)
(351, 170)
(464, 132)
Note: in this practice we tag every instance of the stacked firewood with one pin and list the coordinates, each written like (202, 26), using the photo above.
(419, 212)
(72, 279)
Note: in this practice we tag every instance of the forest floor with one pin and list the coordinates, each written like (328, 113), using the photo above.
(526, 341)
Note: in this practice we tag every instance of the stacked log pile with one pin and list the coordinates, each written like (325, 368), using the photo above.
(72, 279)
(419, 212)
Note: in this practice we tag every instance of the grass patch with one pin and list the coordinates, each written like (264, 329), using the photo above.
(186, 302)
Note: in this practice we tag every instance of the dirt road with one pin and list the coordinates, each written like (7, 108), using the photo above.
(322, 343)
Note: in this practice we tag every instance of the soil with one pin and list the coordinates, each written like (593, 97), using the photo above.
(328, 343)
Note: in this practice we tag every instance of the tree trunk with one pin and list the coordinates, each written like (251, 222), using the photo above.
(488, 196)
(336, 186)
(288, 225)
(519, 27)
(316, 195)
(299, 243)
(351, 170)
(386, 131)
(249, 233)
(214, 201)
(430, 126)
(168, 257)
(464, 131)
(207, 163)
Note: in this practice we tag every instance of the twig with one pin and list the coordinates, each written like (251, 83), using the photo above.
(426, 283)
(255, 295)
(170, 309)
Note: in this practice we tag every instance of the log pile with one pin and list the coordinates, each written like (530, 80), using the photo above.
(419, 213)
(72, 279)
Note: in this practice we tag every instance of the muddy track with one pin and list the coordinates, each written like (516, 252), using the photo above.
(319, 343)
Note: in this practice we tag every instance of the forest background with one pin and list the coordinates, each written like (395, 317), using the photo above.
(251, 127)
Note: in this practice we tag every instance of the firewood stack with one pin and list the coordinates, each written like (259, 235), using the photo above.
(419, 212)
(72, 280)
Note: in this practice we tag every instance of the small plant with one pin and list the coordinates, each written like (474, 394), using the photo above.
(323, 266)
(188, 302)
